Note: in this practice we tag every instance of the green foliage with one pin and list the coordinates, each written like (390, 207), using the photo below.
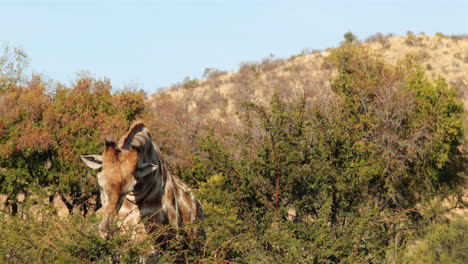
(439, 35)
(193, 174)
(78, 119)
(346, 182)
(353, 173)
(349, 37)
(47, 239)
(44, 131)
(13, 61)
(404, 127)
(441, 243)
(73, 239)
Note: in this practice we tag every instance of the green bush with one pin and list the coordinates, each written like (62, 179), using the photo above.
(354, 172)
(48, 239)
(44, 130)
(441, 243)
(349, 37)
(73, 239)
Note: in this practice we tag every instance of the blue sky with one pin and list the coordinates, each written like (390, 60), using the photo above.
(157, 43)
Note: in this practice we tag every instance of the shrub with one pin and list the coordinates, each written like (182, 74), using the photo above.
(380, 38)
(73, 239)
(349, 37)
(13, 61)
(48, 239)
(44, 130)
(353, 172)
(411, 39)
(441, 243)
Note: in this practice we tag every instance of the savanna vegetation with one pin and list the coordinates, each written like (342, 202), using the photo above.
(366, 171)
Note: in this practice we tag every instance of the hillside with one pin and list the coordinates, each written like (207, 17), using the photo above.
(220, 95)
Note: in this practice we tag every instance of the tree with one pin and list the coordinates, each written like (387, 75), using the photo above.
(358, 173)
(410, 127)
(78, 119)
(349, 37)
(24, 142)
(13, 61)
(391, 143)
(43, 132)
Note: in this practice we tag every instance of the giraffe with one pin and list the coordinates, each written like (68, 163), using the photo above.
(136, 186)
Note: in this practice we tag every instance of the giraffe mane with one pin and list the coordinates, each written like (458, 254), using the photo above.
(136, 127)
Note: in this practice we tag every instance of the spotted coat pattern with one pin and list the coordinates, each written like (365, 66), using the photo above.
(136, 185)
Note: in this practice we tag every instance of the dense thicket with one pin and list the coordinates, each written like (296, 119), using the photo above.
(348, 180)
(354, 177)
(44, 128)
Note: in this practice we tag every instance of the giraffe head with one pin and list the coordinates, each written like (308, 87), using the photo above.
(120, 173)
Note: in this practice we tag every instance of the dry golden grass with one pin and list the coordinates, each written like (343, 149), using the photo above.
(440, 55)
(310, 74)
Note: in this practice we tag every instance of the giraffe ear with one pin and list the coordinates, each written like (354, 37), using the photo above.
(144, 169)
(110, 151)
(93, 161)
